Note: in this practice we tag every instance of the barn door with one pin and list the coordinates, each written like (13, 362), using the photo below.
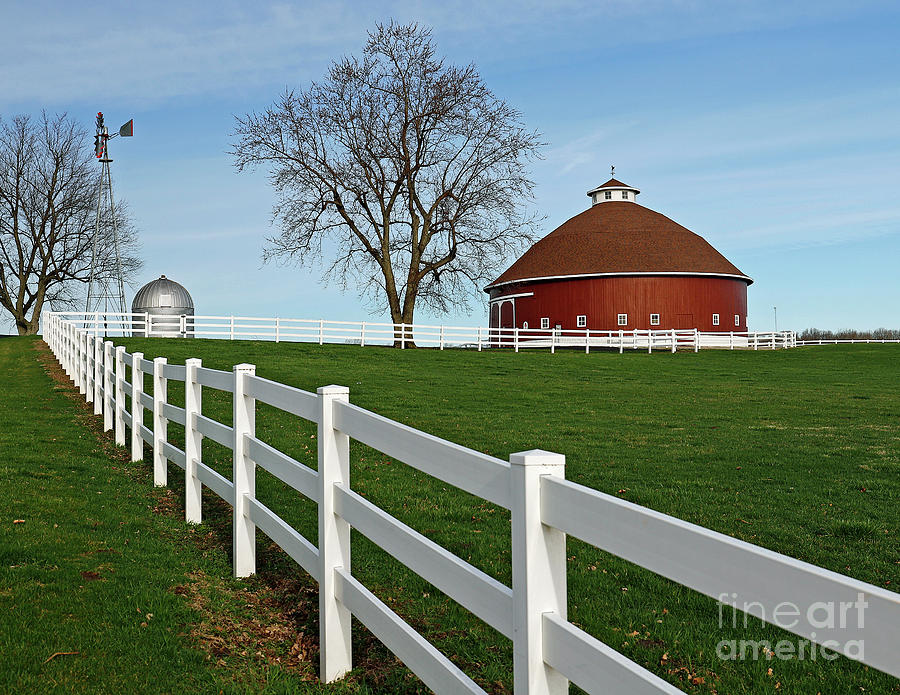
(684, 321)
(507, 321)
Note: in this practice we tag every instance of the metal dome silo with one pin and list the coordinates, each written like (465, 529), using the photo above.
(166, 302)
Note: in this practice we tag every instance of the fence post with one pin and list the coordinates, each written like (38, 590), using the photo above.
(85, 366)
(146, 324)
(137, 408)
(479, 339)
(334, 538)
(120, 395)
(88, 368)
(277, 330)
(362, 335)
(160, 424)
(321, 331)
(107, 385)
(674, 341)
(731, 340)
(72, 353)
(76, 359)
(231, 329)
(649, 341)
(402, 336)
(538, 572)
(587, 341)
(98, 375)
(61, 356)
(696, 340)
(442, 336)
(193, 392)
(552, 341)
(244, 474)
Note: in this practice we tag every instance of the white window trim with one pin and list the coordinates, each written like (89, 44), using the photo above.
(581, 321)
(652, 322)
(715, 319)
(622, 319)
(607, 195)
(737, 319)
(545, 323)
(624, 195)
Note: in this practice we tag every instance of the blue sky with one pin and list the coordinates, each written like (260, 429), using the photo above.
(770, 128)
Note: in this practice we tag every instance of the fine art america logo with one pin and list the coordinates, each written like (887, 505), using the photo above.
(828, 616)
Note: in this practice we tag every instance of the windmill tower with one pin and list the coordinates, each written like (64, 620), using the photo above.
(106, 287)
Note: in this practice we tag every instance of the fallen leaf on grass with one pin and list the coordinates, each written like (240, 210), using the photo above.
(91, 576)
(56, 654)
(18, 521)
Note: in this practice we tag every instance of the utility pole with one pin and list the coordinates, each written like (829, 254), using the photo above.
(106, 290)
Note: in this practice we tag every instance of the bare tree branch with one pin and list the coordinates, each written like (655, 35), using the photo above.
(409, 174)
(48, 192)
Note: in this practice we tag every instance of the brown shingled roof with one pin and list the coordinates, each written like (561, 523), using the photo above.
(618, 237)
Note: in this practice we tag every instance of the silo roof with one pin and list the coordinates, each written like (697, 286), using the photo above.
(162, 293)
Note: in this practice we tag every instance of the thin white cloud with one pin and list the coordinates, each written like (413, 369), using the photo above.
(61, 52)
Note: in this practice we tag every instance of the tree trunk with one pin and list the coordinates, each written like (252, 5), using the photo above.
(408, 320)
(405, 317)
(26, 326)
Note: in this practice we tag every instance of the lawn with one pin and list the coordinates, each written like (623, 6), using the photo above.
(102, 586)
(794, 450)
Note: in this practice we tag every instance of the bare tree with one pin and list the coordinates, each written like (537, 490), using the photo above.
(48, 197)
(407, 174)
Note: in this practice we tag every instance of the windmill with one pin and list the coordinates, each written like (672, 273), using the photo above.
(106, 287)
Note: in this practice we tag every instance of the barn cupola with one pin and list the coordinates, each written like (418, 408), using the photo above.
(613, 190)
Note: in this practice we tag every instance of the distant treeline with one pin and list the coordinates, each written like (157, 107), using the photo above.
(850, 334)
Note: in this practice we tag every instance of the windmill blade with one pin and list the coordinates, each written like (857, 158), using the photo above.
(127, 130)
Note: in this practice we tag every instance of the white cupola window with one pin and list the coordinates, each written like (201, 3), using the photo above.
(612, 190)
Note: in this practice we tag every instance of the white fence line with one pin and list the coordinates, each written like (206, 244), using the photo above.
(548, 650)
(438, 336)
(849, 341)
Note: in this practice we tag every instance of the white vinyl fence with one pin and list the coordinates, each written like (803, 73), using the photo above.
(849, 341)
(364, 333)
(548, 650)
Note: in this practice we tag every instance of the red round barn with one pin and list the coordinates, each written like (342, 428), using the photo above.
(620, 266)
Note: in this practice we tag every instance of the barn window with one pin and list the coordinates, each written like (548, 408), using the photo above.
(623, 319)
(545, 322)
(715, 319)
(524, 324)
(625, 195)
(608, 195)
(581, 321)
(654, 319)
(737, 319)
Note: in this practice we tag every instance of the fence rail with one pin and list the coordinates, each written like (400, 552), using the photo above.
(548, 650)
(442, 337)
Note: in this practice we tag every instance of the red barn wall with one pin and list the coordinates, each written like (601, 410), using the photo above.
(681, 302)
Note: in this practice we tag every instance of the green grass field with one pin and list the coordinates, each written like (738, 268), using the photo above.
(795, 450)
